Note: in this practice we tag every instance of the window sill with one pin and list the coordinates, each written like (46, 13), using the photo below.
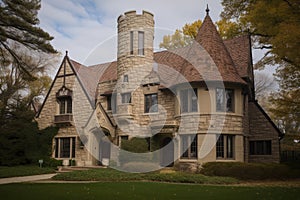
(67, 158)
(151, 113)
(225, 159)
(223, 113)
(187, 114)
(188, 160)
(136, 55)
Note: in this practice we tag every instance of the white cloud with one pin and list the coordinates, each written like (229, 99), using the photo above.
(82, 26)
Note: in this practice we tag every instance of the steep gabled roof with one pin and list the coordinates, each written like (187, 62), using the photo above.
(109, 71)
(240, 52)
(255, 112)
(209, 38)
(88, 77)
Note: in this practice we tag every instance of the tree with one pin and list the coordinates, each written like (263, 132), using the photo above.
(274, 25)
(187, 34)
(265, 85)
(177, 40)
(21, 141)
(286, 103)
(18, 24)
(16, 86)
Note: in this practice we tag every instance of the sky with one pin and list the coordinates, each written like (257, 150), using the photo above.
(87, 29)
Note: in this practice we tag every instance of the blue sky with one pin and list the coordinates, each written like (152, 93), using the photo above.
(87, 28)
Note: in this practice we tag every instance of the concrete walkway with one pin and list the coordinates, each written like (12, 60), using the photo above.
(26, 178)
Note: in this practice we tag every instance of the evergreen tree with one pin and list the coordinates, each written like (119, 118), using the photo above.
(18, 23)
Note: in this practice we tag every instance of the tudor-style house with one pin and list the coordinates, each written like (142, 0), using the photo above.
(198, 100)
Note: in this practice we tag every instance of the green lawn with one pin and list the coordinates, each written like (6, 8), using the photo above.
(142, 190)
(6, 172)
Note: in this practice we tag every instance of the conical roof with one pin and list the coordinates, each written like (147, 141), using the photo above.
(209, 38)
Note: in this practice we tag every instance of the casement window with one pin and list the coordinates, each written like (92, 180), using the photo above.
(225, 146)
(141, 43)
(151, 103)
(111, 103)
(126, 97)
(188, 146)
(261, 147)
(224, 100)
(188, 100)
(65, 105)
(65, 147)
(131, 42)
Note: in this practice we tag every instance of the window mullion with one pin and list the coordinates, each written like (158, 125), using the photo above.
(189, 147)
(225, 146)
(71, 147)
(59, 148)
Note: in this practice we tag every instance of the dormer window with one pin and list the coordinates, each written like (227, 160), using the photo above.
(151, 103)
(141, 43)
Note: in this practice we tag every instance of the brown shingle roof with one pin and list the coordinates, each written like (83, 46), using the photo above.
(208, 59)
(109, 73)
(209, 38)
(239, 49)
(89, 77)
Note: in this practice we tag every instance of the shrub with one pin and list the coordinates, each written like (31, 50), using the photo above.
(139, 166)
(250, 171)
(134, 150)
(135, 145)
(51, 162)
(112, 175)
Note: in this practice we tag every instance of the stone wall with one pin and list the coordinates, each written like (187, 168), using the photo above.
(131, 21)
(51, 108)
(261, 128)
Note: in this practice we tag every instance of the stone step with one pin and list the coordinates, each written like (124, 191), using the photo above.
(76, 168)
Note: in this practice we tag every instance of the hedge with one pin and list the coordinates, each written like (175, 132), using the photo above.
(250, 171)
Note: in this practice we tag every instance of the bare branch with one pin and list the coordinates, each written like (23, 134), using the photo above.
(264, 47)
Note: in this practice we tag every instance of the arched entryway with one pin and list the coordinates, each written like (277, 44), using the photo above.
(167, 152)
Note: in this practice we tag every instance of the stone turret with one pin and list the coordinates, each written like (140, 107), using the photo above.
(135, 42)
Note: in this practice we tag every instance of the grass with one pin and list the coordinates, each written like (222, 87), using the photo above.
(111, 175)
(142, 190)
(252, 171)
(6, 172)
